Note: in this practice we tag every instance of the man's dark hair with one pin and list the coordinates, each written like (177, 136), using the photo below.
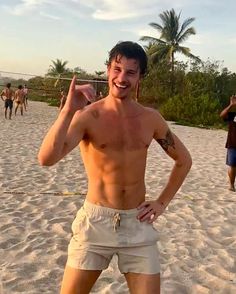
(20, 87)
(129, 49)
(8, 85)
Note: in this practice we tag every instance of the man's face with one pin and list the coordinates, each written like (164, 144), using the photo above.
(123, 76)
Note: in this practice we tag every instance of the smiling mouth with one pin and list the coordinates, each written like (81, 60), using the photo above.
(119, 86)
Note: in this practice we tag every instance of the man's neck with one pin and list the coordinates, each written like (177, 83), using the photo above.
(126, 107)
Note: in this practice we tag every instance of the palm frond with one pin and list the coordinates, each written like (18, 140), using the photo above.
(185, 35)
(156, 26)
(172, 34)
(186, 51)
(152, 40)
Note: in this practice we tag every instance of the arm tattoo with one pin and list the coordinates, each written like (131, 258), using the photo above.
(168, 141)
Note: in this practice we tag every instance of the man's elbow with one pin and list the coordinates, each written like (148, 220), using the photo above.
(44, 160)
(189, 162)
(223, 115)
(185, 162)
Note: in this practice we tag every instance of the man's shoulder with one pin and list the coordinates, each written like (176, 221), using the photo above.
(152, 112)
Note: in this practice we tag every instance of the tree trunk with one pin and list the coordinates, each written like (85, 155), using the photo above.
(172, 73)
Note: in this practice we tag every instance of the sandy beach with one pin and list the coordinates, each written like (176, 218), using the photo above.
(197, 234)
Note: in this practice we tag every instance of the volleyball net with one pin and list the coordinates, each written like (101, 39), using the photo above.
(48, 87)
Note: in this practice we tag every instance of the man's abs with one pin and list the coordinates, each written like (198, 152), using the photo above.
(116, 195)
(115, 179)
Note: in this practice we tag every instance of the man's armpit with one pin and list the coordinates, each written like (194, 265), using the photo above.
(167, 142)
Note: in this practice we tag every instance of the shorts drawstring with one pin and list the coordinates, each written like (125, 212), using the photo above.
(116, 221)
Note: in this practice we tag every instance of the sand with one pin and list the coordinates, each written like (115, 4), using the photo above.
(38, 204)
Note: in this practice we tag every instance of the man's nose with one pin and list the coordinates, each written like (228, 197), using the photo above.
(122, 77)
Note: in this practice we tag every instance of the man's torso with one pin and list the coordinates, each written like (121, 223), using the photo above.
(114, 151)
(19, 96)
(8, 93)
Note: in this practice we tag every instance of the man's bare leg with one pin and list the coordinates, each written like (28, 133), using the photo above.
(10, 113)
(5, 112)
(232, 175)
(16, 109)
(143, 284)
(77, 281)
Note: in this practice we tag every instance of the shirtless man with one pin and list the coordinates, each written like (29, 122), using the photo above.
(7, 96)
(19, 99)
(114, 134)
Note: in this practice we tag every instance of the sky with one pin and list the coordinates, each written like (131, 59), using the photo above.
(35, 32)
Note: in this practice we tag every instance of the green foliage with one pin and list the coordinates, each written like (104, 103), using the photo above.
(57, 68)
(201, 110)
(201, 91)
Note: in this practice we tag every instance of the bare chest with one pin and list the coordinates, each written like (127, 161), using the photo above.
(121, 135)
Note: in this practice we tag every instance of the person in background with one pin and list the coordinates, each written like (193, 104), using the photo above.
(7, 95)
(19, 99)
(100, 96)
(62, 99)
(229, 115)
(25, 90)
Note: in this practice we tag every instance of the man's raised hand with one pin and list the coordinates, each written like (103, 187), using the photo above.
(79, 95)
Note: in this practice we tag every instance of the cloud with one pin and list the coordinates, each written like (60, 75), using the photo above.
(100, 9)
(50, 16)
(112, 10)
(97, 9)
(24, 7)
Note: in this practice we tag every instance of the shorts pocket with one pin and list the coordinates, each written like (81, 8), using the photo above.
(78, 224)
(145, 233)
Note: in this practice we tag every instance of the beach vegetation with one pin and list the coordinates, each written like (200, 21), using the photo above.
(171, 35)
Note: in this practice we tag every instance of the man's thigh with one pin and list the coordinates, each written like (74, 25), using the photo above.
(76, 281)
(143, 283)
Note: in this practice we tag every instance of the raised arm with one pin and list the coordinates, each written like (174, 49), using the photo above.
(232, 102)
(182, 164)
(69, 128)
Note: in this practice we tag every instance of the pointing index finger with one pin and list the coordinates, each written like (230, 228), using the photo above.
(73, 83)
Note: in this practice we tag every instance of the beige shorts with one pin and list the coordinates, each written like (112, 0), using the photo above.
(100, 232)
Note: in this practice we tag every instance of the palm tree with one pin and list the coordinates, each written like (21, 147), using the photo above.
(99, 73)
(58, 68)
(172, 34)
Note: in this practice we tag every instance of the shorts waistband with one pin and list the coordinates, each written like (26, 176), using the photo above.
(102, 210)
